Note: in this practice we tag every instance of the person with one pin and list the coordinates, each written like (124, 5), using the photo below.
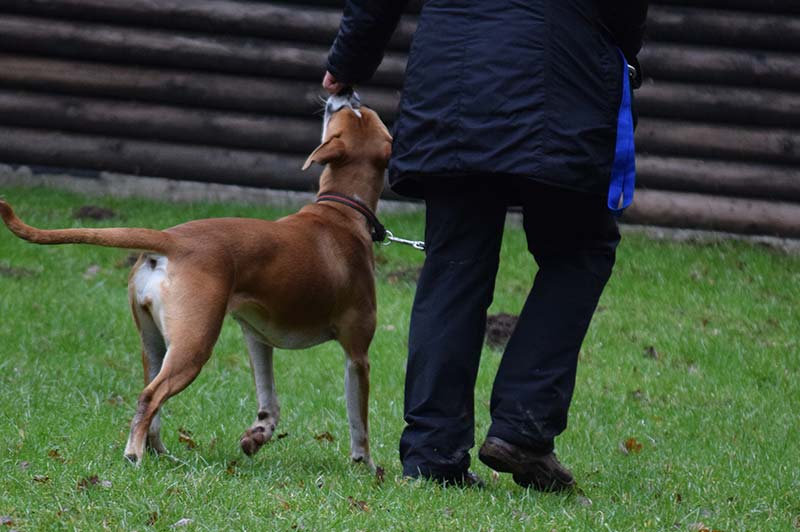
(503, 103)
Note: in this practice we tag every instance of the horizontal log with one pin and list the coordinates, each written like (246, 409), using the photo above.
(280, 59)
(699, 211)
(719, 177)
(273, 21)
(160, 122)
(138, 157)
(717, 103)
(728, 28)
(196, 89)
(699, 64)
(665, 137)
(21, 34)
(772, 6)
(319, 24)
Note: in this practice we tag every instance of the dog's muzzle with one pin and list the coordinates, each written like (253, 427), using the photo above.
(345, 98)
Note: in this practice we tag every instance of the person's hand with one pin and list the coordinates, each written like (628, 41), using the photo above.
(330, 84)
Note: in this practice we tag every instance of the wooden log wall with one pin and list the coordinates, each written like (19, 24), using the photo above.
(228, 91)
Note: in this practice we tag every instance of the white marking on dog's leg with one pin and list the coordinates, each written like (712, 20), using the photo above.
(356, 385)
(153, 349)
(269, 411)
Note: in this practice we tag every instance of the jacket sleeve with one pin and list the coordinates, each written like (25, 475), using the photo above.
(625, 19)
(363, 34)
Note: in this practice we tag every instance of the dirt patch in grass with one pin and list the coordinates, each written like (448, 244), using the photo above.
(15, 273)
(499, 328)
(93, 212)
(404, 275)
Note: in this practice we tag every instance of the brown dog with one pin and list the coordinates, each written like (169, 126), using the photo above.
(291, 284)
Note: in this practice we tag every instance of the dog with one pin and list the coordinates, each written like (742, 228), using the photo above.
(293, 283)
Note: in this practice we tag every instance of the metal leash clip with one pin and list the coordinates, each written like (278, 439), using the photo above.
(416, 244)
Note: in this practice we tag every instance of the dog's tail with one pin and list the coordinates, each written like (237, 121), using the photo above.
(133, 238)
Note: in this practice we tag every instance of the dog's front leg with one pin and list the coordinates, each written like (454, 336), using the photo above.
(269, 411)
(356, 384)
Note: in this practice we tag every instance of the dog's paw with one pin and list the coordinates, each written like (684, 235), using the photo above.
(365, 460)
(252, 440)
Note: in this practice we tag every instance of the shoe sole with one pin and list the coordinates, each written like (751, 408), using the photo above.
(524, 475)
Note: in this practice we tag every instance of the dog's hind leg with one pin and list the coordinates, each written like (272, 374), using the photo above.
(145, 296)
(195, 314)
(269, 411)
(154, 348)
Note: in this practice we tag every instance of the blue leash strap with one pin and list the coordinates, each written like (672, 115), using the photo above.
(623, 171)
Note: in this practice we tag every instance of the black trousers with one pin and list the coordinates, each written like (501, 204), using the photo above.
(573, 238)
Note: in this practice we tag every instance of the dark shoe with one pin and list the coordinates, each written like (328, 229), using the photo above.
(542, 472)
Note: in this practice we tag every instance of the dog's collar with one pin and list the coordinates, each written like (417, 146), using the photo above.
(378, 231)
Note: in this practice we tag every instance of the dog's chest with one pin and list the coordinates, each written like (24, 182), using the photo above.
(277, 335)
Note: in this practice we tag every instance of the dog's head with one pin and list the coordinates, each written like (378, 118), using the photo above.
(352, 136)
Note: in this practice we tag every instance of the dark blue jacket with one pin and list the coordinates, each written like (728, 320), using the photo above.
(518, 87)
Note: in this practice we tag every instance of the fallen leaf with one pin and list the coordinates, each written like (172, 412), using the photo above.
(285, 505)
(41, 479)
(631, 445)
(650, 352)
(115, 400)
(584, 501)
(91, 271)
(87, 482)
(637, 394)
(700, 527)
(327, 436)
(495, 476)
(54, 454)
(231, 469)
(6, 520)
(152, 518)
(358, 505)
(185, 436)
(93, 212)
(380, 474)
(182, 522)
(678, 498)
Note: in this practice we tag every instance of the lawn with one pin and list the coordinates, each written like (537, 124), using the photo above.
(686, 414)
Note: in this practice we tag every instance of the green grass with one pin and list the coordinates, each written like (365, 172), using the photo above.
(716, 412)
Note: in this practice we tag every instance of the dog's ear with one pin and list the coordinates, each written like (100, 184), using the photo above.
(328, 151)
